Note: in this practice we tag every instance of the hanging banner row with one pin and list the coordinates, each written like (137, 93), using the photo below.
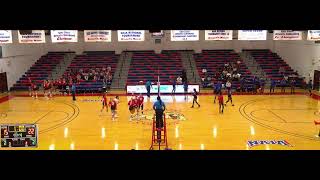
(62, 36)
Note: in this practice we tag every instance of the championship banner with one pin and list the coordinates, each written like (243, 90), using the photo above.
(287, 35)
(252, 35)
(37, 36)
(184, 35)
(313, 35)
(130, 35)
(59, 36)
(5, 36)
(218, 35)
(97, 35)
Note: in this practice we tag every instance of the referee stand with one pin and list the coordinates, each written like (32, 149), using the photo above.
(162, 142)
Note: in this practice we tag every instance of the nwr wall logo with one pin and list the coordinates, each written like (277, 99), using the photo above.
(253, 143)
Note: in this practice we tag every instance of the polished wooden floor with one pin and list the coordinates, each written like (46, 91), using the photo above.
(64, 124)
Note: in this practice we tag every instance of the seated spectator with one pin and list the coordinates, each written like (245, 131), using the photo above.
(78, 78)
(179, 80)
(86, 76)
(281, 70)
(228, 75)
(204, 71)
(224, 72)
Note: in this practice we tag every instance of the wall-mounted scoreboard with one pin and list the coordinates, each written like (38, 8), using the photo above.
(19, 135)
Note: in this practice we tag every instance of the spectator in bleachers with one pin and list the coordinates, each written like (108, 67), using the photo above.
(228, 85)
(238, 64)
(204, 70)
(281, 70)
(179, 80)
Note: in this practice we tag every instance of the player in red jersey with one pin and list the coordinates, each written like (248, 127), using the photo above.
(54, 86)
(221, 104)
(104, 102)
(113, 106)
(34, 90)
(45, 88)
(140, 102)
(30, 86)
(50, 87)
(133, 103)
(64, 86)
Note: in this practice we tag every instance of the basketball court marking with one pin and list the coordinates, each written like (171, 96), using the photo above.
(247, 115)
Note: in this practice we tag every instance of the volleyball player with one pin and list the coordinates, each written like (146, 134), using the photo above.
(104, 101)
(64, 86)
(45, 88)
(117, 101)
(221, 104)
(174, 86)
(50, 86)
(229, 97)
(283, 85)
(140, 102)
(34, 90)
(132, 107)
(195, 98)
(55, 84)
(272, 86)
(185, 88)
(292, 85)
(217, 89)
(30, 86)
(113, 106)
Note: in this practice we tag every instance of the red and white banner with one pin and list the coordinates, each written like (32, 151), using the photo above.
(218, 35)
(184, 35)
(287, 35)
(130, 35)
(313, 35)
(252, 35)
(37, 36)
(59, 36)
(97, 35)
(5, 36)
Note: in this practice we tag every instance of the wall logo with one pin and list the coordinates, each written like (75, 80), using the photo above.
(252, 143)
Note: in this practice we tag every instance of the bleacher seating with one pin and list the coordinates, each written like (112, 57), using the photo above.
(214, 60)
(40, 70)
(271, 62)
(90, 60)
(145, 64)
